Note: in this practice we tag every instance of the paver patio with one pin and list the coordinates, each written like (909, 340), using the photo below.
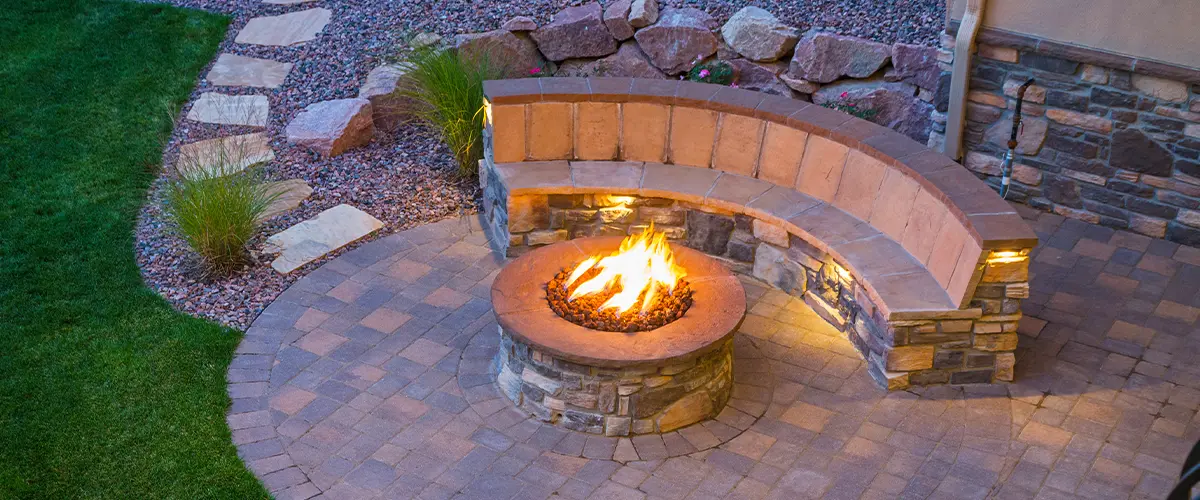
(370, 377)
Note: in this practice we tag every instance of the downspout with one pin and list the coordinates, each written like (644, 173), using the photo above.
(964, 48)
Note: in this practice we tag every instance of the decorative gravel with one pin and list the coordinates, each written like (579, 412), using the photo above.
(404, 179)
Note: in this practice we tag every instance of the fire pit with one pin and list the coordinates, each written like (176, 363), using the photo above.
(645, 346)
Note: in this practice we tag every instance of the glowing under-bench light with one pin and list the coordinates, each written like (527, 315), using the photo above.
(1007, 257)
(487, 113)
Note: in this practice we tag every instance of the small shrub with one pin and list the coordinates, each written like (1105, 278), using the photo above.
(449, 93)
(718, 72)
(217, 210)
(850, 107)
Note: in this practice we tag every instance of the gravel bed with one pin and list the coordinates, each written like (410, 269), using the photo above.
(404, 179)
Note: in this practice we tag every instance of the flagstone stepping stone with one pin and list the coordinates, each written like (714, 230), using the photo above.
(286, 29)
(292, 193)
(223, 156)
(313, 238)
(221, 109)
(241, 71)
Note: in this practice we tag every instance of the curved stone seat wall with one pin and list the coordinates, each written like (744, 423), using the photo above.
(888, 240)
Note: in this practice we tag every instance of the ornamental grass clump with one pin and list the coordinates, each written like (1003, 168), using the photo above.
(448, 90)
(216, 204)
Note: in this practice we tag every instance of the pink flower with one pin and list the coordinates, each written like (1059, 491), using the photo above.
(734, 85)
(845, 94)
(534, 71)
(704, 73)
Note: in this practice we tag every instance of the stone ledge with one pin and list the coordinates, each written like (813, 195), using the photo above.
(894, 280)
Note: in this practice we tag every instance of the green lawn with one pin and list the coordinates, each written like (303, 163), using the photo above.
(105, 392)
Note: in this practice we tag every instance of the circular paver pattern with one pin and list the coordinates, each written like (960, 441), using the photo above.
(371, 377)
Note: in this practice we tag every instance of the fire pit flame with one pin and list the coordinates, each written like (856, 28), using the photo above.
(642, 268)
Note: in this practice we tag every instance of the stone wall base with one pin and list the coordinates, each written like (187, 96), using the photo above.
(615, 401)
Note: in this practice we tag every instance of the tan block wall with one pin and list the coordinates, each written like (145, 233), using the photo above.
(693, 132)
(739, 141)
(821, 169)
(882, 195)
(508, 133)
(644, 130)
(597, 130)
(782, 151)
(550, 130)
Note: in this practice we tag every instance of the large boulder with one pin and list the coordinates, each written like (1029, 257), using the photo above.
(517, 54)
(824, 57)
(643, 13)
(895, 105)
(760, 77)
(576, 32)
(915, 64)
(331, 127)
(629, 61)
(616, 18)
(758, 35)
(1135, 151)
(520, 23)
(678, 40)
(383, 88)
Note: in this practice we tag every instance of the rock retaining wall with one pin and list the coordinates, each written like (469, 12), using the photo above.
(898, 85)
(1102, 142)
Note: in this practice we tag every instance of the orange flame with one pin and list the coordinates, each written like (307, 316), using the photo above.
(644, 263)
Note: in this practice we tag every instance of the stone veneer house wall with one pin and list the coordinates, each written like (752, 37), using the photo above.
(1107, 139)
(916, 261)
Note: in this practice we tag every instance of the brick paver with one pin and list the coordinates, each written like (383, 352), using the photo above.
(371, 377)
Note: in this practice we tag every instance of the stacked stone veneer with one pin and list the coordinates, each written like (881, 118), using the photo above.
(918, 262)
(616, 401)
(1107, 139)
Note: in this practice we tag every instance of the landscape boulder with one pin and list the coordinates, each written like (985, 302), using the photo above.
(678, 39)
(643, 13)
(331, 127)
(576, 32)
(520, 23)
(824, 57)
(629, 61)
(382, 88)
(517, 53)
(760, 77)
(894, 104)
(424, 40)
(915, 64)
(758, 35)
(616, 18)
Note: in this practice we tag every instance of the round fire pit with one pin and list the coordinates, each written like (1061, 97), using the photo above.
(615, 383)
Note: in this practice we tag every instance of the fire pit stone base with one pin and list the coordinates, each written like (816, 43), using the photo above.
(615, 401)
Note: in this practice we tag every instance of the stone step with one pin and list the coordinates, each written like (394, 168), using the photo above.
(313, 238)
(287, 29)
(223, 156)
(291, 193)
(222, 109)
(233, 70)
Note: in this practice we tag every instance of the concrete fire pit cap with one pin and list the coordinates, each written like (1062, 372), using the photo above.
(522, 310)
